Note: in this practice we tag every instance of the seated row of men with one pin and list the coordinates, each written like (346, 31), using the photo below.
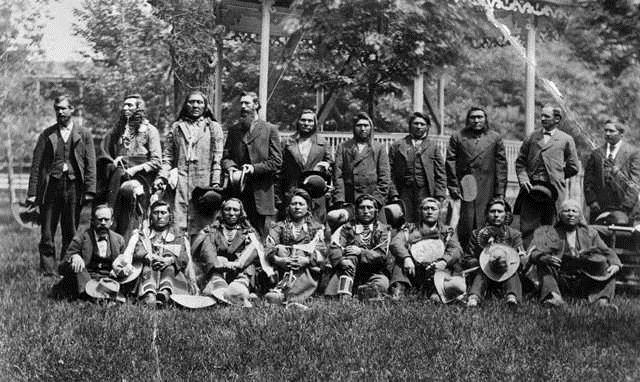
(227, 262)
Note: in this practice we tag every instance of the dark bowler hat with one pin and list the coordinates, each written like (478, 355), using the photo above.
(395, 213)
(314, 182)
(612, 218)
(339, 214)
(543, 192)
(591, 263)
(206, 199)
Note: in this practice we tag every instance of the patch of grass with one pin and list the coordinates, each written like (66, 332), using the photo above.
(44, 339)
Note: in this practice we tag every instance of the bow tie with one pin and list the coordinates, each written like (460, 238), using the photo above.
(547, 133)
(102, 238)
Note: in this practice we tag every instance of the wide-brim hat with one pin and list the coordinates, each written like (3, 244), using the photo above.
(27, 216)
(235, 294)
(206, 199)
(469, 188)
(126, 273)
(497, 252)
(593, 265)
(339, 214)
(237, 181)
(314, 183)
(395, 213)
(448, 286)
(105, 288)
(427, 251)
(193, 302)
(541, 192)
(612, 218)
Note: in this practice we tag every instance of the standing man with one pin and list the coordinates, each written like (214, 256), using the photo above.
(612, 174)
(253, 146)
(63, 176)
(479, 152)
(191, 158)
(547, 157)
(302, 152)
(362, 166)
(417, 168)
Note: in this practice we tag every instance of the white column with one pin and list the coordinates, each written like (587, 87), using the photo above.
(530, 95)
(418, 92)
(441, 86)
(264, 57)
(218, 82)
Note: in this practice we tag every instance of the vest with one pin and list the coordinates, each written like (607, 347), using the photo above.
(61, 156)
(414, 175)
(98, 263)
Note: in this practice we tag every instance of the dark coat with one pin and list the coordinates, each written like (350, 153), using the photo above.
(265, 154)
(83, 160)
(292, 162)
(432, 162)
(484, 157)
(84, 244)
(361, 173)
(559, 157)
(627, 164)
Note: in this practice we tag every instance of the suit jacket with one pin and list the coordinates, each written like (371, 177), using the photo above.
(432, 162)
(485, 158)
(358, 173)
(292, 163)
(626, 174)
(262, 143)
(559, 157)
(83, 160)
(84, 244)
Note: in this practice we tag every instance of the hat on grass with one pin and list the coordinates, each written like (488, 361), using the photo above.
(105, 288)
(449, 287)
(193, 302)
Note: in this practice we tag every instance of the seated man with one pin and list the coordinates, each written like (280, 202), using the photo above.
(225, 255)
(495, 231)
(359, 254)
(90, 255)
(420, 249)
(295, 246)
(572, 258)
(163, 251)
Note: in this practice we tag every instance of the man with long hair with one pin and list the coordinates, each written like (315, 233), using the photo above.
(191, 158)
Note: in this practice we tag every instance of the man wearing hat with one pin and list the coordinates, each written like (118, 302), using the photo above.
(476, 170)
(305, 154)
(90, 255)
(547, 158)
(501, 245)
(163, 251)
(572, 258)
(191, 158)
(420, 249)
(612, 174)
(253, 148)
(359, 254)
(362, 166)
(417, 167)
(62, 179)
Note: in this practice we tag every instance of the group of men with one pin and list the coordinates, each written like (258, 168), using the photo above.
(251, 192)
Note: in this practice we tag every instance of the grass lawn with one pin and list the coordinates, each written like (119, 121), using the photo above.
(44, 339)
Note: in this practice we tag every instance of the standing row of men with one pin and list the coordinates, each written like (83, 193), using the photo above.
(195, 155)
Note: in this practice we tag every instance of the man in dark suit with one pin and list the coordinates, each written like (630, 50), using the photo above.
(548, 156)
(302, 152)
(253, 146)
(63, 176)
(91, 253)
(417, 168)
(478, 151)
(362, 166)
(612, 174)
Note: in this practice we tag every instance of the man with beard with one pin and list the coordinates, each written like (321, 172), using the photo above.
(547, 157)
(131, 147)
(417, 168)
(612, 174)
(253, 147)
(304, 152)
(478, 153)
(191, 158)
(362, 166)
(572, 258)
(411, 270)
(359, 254)
(91, 254)
(63, 176)
(163, 251)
